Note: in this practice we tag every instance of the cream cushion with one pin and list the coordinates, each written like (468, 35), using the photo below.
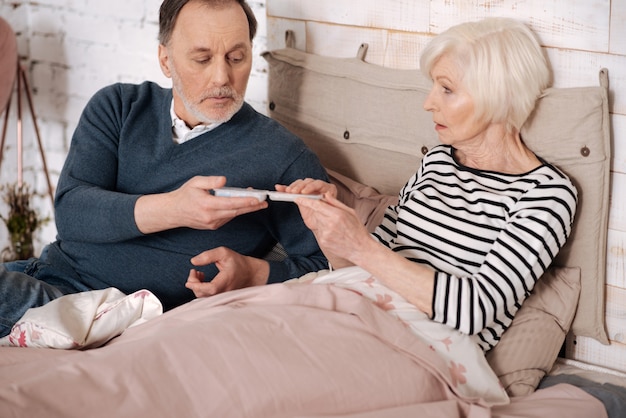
(529, 347)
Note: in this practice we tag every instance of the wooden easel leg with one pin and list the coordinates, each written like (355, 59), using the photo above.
(20, 132)
(22, 79)
(34, 118)
(4, 128)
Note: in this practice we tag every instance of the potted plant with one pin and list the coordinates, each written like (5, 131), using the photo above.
(21, 222)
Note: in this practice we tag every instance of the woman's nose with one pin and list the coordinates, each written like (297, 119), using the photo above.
(429, 105)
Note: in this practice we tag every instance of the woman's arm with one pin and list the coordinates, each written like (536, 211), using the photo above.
(345, 241)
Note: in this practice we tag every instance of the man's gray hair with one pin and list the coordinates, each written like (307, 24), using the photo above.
(171, 8)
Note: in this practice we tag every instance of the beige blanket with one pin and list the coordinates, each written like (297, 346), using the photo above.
(283, 350)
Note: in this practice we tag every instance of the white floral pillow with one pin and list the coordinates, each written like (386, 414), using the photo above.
(470, 373)
(83, 320)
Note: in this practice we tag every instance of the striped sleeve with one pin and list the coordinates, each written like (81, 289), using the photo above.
(484, 303)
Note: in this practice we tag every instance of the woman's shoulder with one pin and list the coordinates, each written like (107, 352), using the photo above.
(553, 187)
(552, 176)
(439, 151)
(439, 154)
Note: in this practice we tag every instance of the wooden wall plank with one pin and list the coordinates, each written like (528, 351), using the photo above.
(613, 355)
(387, 48)
(406, 15)
(618, 125)
(617, 213)
(276, 28)
(341, 41)
(580, 68)
(403, 49)
(618, 27)
(615, 315)
(616, 259)
(558, 23)
(590, 351)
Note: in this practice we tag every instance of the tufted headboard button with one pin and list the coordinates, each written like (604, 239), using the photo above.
(584, 151)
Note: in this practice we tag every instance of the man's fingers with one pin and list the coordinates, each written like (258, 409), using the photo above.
(195, 276)
(208, 182)
(201, 290)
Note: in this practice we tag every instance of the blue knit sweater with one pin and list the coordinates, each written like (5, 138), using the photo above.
(123, 148)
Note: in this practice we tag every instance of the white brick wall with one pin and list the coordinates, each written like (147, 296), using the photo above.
(72, 48)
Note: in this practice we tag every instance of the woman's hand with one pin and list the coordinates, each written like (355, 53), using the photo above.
(337, 228)
(308, 186)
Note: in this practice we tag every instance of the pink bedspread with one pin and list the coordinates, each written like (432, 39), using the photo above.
(286, 350)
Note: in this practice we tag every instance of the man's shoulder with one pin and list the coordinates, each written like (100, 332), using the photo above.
(123, 97)
(128, 103)
(264, 126)
(147, 88)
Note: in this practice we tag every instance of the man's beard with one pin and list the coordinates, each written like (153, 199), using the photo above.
(220, 114)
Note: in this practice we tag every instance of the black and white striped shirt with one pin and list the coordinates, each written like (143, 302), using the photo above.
(489, 236)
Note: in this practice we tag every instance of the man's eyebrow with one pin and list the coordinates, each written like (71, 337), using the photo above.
(203, 49)
(199, 49)
(240, 45)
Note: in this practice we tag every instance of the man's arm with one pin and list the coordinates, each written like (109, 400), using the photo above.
(90, 207)
(192, 206)
(303, 252)
(87, 207)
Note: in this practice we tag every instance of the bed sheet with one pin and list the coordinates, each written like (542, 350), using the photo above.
(281, 350)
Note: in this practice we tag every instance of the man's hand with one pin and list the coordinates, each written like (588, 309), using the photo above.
(235, 271)
(192, 206)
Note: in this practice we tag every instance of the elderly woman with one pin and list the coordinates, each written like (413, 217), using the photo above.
(483, 217)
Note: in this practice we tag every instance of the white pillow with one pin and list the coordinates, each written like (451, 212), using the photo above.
(83, 320)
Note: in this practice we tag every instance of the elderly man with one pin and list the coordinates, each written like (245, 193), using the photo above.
(134, 208)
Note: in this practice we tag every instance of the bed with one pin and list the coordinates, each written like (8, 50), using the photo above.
(339, 344)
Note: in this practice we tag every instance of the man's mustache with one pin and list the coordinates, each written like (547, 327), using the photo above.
(221, 92)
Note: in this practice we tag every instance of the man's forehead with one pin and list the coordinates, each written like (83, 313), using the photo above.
(199, 19)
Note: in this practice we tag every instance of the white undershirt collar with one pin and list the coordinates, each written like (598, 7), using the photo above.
(183, 133)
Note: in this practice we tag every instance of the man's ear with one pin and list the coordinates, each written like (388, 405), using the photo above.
(164, 60)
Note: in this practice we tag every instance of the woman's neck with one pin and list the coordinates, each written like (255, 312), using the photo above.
(499, 151)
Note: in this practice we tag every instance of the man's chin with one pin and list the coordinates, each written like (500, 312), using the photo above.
(217, 115)
(221, 114)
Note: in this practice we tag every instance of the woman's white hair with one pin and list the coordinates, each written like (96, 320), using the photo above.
(504, 68)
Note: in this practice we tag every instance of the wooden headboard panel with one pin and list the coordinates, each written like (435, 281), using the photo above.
(367, 122)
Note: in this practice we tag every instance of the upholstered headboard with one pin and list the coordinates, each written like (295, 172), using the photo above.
(367, 122)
